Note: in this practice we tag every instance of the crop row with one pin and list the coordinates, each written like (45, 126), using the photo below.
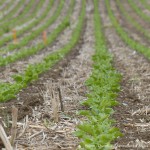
(32, 72)
(7, 5)
(37, 32)
(5, 22)
(124, 36)
(34, 49)
(27, 28)
(9, 24)
(139, 11)
(132, 21)
(98, 132)
(20, 19)
(145, 4)
(15, 6)
(3, 4)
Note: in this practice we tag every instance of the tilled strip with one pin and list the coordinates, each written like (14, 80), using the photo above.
(135, 93)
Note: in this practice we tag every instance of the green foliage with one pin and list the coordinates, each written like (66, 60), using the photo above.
(28, 27)
(30, 51)
(37, 32)
(97, 132)
(20, 19)
(32, 72)
(145, 4)
(139, 11)
(32, 35)
(125, 37)
(132, 20)
(5, 28)
(34, 49)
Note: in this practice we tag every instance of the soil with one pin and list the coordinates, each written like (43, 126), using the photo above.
(30, 97)
(3, 5)
(62, 88)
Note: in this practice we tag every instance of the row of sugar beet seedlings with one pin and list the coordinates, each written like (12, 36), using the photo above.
(24, 29)
(24, 52)
(25, 16)
(139, 11)
(14, 6)
(6, 8)
(145, 4)
(97, 132)
(28, 28)
(31, 73)
(124, 36)
(38, 31)
(131, 20)
(7, 23)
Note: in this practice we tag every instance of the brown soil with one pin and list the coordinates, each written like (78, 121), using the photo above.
(132, 115)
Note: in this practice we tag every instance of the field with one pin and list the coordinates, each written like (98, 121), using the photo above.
(75, 74)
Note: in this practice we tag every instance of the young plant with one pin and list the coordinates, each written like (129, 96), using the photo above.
(97, 133)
